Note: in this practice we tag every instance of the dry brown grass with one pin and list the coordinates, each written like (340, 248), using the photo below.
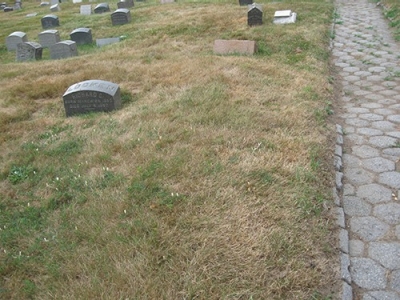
(209, 183)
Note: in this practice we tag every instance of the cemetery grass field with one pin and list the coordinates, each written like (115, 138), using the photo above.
(213, 181)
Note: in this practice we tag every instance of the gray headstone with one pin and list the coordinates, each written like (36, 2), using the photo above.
(31, 15)
(53, 2)
(63, 49)
(44, 3)
(125, 4)
(245, 2)
(82, 36)
(254, 15)
(29, 51)
(55, 7)
(14, 39)
(8, 8)
(121, 16)
(86, 10)
(107, 41)
(49, 37)
(91, 96)
(50, 21)
(101, 8)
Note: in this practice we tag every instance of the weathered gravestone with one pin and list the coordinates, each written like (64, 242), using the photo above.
(82, 36)
(101, 8)
(18, 4)
(8, 8)
(55, 8)
(91, 96)
(121, 16)
(49, 37)
(254, 15)
(14, 39)
(86, 10)
(50, 21)
(245, 2)
(29, 51)
(284, 17)
(235, 47)
(107, 41)
(63, 49)
(53, 2)
(125, 4)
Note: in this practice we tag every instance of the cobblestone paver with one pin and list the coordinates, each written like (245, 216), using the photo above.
(368, 151)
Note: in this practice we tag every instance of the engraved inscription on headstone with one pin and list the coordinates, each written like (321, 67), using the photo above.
(101, 8)
(63, 49)
(82, 36)
(121, 16)
(29, 51)
(107, 41)
(86, 10)
(245, 2)
(49, 37)
(50, 21)
(254, 15)
(14, 39)
(91, 96)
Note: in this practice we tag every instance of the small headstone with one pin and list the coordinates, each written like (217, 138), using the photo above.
(121, 16)
(166, 1)
(284, 17)
(101, 8)
(91, 96)
(17, 5)
(29, 51)
(254, 15)
(107, 41)
(44, 3)
(14, 39)
(86, 10)
(245, 2)
(82, 36)
(49, 37)
(125, 4)
(50, 21)
(63, 49)
(55, 7)
(31, 15)
(8, 8)
(235, 47)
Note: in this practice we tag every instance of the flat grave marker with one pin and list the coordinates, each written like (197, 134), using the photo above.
(107, 41)
(235, 46)
(49, 37)
(29, 51)
(63, 49)
(14, 39)
(284, 17)
(91, 96)
(121, 16)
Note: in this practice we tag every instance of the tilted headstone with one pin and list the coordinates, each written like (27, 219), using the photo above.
(107, 41)
(55, 7)
(14, 39)
(50, 21)
(284, 17)
(86, 10)
(29, 51)
(101, 8)
(44, 3)
(235, 47)
(245, 2)
(8, 8)
(125, 4)
(49, 37)
(254, 15)
(81, 36)
(91, 96)
(121, 16)
(63, 49)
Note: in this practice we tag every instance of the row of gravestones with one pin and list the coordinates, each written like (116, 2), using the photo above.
(17, 5)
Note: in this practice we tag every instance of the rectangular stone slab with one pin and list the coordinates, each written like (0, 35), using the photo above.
(234, 46)
(91, 96)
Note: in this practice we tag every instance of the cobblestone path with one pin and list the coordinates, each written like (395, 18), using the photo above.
(368, 151)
